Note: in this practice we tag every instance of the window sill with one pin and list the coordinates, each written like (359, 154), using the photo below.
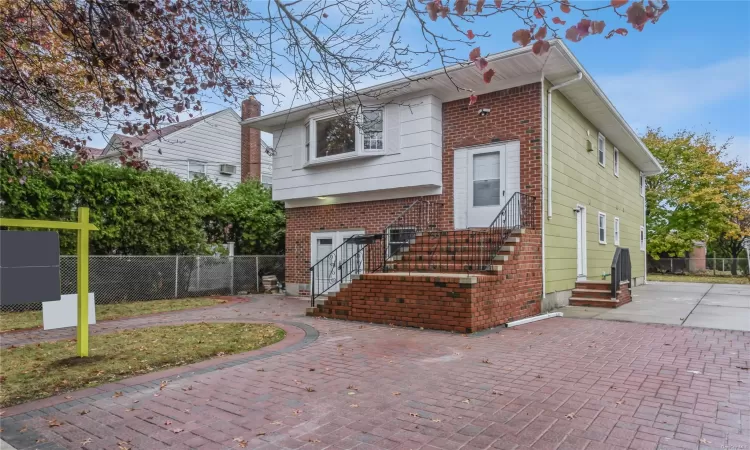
(340, 158)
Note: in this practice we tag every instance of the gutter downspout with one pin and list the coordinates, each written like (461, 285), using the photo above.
(541, 213)
(576, 79)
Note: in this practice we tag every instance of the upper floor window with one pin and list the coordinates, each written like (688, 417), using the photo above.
(266, 180)
(602, 228)
(601, 150)
(616, 162)
(196, 169)
(334, 135)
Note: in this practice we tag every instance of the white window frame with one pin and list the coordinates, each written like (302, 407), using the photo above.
(601, 226)
(616, 162)
(195, 161)
(359, 151)
(265, 183)
(643, 238)
(389, 236)
(601, 150)
(642, 184)
(617, 231)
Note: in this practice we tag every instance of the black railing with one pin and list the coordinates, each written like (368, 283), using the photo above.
(473, 250)
(413, 243)
(367, 252)
(620, 270)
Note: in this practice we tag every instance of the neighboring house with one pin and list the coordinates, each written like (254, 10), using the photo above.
(207, 146)
(439, 185)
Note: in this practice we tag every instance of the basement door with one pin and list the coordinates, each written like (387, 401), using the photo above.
(343, 260)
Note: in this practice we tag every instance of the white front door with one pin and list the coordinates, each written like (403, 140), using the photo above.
(486, 185)
(581, 242)
(332, 265)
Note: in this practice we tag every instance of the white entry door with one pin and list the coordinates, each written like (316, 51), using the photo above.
(487, 185)
(581, 242)
(332, 265)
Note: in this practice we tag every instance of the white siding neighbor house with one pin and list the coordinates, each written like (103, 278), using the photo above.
(207, 146)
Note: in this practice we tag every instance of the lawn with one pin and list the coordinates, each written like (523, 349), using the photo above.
(699, 278)
(41, 370)
(32, 319)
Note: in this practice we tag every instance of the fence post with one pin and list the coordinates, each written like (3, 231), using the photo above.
(176, 273)
(257, 276)
(671, 265)
(231, 267)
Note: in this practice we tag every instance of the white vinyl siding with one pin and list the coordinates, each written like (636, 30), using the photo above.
(213, 142)
(412, 158)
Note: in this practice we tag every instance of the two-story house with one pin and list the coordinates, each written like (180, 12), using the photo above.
(206, 146)
(425, 208)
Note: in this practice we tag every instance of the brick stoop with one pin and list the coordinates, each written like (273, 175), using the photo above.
(453, 300)
(596, 293)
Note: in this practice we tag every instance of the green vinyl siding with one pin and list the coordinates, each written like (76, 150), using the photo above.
(577, 178)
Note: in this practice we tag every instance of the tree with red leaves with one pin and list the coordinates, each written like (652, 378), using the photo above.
(70, 68)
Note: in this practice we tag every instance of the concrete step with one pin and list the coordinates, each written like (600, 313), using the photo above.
(592, 293)
(594, 302)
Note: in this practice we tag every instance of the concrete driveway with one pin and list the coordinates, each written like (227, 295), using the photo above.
(722, 306)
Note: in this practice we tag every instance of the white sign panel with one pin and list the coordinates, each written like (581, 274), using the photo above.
(64, 312)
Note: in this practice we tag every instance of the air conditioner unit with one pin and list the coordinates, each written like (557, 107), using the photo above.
(227, 169)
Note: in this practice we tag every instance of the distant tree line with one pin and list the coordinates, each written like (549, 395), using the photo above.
(150, 212)
(702, 195)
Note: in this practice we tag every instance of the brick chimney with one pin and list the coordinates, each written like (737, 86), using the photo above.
(250, 145)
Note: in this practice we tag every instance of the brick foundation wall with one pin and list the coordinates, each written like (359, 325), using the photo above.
(373, 217)
(446, 303)
(515, 115)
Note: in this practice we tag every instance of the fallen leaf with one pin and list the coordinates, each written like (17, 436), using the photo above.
(162, 385)
(123, 446)
(168, 422)
(177, 430)
(354, 405)
(260, 433)
(24, 429)
(396, 393)
(129, 409)
(436, 420)
(261, 370)
(87, 441)
(704, 441)
(497, 393)
(570, 416)
(352, 393)
(68, 397)
(466, 401)
(414, 414)
(620, 402)
(117, 394)
(54, 423)
(40, 440)
(83, 412)
(296, 412)
(276, 422)
(310, 389)
(314, 441)
(486, 361)
(241, 442)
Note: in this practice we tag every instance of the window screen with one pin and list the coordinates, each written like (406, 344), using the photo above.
(487, 179)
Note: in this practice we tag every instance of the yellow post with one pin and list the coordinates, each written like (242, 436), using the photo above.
(82, 251)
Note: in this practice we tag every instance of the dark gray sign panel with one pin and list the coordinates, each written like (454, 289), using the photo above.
(29, 267)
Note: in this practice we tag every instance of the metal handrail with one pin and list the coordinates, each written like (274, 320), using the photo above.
(620, 270)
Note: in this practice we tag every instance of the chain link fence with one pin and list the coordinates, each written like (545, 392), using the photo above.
(700, 266)
(117, 279)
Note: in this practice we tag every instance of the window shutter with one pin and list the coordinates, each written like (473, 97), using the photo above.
(299, 151)
(392, 130)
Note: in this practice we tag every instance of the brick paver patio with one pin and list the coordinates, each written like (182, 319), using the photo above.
(555, 384)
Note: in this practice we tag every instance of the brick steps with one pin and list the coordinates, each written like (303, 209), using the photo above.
(597, 293)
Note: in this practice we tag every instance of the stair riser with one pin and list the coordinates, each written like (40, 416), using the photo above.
(593, 303)
(593, 295)
(593, 286)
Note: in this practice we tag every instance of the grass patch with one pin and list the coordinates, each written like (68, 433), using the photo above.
(699, 278)
(32, 319)
(41, 370)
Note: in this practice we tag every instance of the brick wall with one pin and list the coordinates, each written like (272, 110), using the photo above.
(447, 303)
(515, 115)
(250, 142)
